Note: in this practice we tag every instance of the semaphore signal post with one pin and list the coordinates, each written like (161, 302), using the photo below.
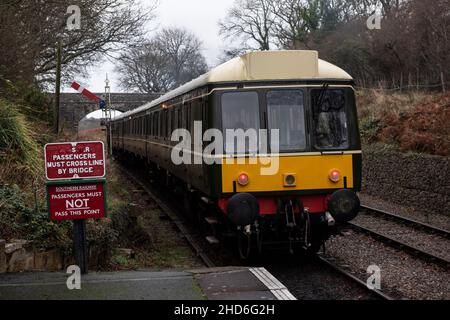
(76, 188)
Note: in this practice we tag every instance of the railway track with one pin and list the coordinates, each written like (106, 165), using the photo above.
(399, 243)
(414, 223)
(173, 216)
(329, 262)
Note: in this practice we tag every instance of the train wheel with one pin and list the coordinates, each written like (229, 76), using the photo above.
(317, 232)
(314, 247)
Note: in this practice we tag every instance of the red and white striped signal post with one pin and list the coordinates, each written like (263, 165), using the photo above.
(85, 92)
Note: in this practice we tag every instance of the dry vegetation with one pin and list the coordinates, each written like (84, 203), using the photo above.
(413, 121)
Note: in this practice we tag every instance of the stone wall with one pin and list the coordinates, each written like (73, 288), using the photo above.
(20, 255)
(421, 181)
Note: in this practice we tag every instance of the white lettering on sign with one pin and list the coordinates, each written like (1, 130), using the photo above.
(77, 204)
(77, 160)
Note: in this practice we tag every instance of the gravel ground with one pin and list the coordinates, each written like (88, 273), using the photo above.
(438, 219)
(432, 243)
(402, 275)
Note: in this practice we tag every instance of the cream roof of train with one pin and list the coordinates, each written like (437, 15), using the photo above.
(260, 66)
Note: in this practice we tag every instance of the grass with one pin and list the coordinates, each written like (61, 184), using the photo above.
(166, 256)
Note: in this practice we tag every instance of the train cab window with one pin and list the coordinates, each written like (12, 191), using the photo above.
(286, 112)
(240, 110)
(329, 118)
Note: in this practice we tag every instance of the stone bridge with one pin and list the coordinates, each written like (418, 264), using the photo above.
(74, 106)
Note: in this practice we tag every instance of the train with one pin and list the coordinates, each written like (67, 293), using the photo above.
(264, 148)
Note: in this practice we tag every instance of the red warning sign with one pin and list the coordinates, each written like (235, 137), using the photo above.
(76, 201)
(74, 160)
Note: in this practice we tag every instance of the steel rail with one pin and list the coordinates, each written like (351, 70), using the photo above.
(412, 222)
(355, 279)
(401, 245)
(173, 217)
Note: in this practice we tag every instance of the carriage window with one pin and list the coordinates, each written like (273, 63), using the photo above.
(240, 110)
(285, 110)
(152, 124)
(179, 122)
(330, 119)
(167, 124)
(172, 121)
(158, 124)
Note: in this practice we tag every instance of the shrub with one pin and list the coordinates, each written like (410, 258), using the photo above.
(101, 239)
(30, 101)
(17, 220)
(21, 155)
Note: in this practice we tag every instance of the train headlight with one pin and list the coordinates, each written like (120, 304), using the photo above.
(334, 175)
(243, 179)
(289, 180)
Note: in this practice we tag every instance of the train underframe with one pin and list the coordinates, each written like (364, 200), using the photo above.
(295, 221)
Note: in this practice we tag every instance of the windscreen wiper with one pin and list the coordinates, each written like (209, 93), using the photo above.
(322, 95)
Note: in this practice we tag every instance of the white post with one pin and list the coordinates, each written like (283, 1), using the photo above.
(108, 115)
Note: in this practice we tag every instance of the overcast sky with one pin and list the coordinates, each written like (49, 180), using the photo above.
(198, 16)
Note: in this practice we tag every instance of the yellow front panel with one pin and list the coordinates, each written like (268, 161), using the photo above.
(311, 173)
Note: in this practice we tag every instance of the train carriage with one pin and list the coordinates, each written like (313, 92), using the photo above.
(307, 103)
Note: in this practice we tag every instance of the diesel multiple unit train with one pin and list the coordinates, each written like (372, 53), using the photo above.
(296, 185)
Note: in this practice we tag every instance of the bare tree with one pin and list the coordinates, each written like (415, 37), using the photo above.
(144, 69)
(170, 59)
(295, 21)
(183, 50)
(106, 27)
(250, 21)
(229, 53)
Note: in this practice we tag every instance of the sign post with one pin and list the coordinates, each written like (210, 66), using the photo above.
(76, 189)
(79, 245)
